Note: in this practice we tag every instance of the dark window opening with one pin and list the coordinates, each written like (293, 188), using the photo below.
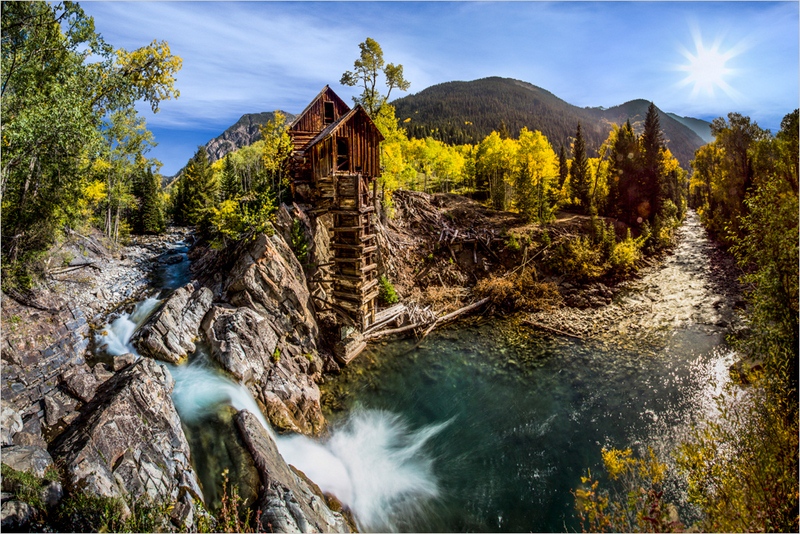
(329, 111)
(342, 154)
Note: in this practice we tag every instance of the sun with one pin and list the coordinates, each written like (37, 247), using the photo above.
(708, 68)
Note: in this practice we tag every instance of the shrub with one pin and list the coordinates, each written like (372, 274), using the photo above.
(512, 243)
(387, 294)
(299, 241)
(518, 291)
(742, 467)
(580, 258)
(26, 486)
(633, 501)
(625, 254)
(234, 515)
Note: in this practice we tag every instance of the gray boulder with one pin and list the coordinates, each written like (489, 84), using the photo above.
(10, 422)
(267, 278)
(80, 382)
(248, 346)
(118, 363)
(129, 441)
(170, 333)
(16, 515)
(287, 502)
(28, 459)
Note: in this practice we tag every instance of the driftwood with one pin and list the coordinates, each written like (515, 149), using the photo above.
(452, 315)
(390, 332)
(28, 299)
(428, 320)
(75, 267)
(386, 316)
(551, 330)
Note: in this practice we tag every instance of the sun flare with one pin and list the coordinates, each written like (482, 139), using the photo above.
(707, 69)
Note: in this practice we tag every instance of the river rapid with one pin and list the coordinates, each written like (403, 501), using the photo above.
(488, 425)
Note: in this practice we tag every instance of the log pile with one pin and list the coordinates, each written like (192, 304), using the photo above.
(403, 318)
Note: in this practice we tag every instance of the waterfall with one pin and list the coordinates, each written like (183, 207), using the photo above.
(200, 389)
(374, 463)
(115, 337)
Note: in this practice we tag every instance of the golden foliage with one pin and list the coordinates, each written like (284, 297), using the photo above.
(518, 291)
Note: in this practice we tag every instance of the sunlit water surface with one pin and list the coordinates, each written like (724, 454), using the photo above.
(526, 414)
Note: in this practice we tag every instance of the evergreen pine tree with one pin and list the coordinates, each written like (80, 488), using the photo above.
(650, 181)
(579, 171)
(150, 218)
(623, 189)
(563, 168)
(197, 191)
(231, 186)
(503, 130)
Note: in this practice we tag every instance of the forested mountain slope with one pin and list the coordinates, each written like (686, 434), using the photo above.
(466, 112)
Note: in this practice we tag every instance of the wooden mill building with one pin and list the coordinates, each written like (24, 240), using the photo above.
(336, 159)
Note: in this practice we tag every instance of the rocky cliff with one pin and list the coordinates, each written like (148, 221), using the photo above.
(243, 133)
(113, 426)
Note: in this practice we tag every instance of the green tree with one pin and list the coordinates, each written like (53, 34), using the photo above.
(276, 151)
(150, 217)
(230, 185)
(742, 464)
(196, 193)
(579, 173)
(367, 71)
(122, 161)
(59, 80)
(726, 174)
(563, 166)
(651, 143)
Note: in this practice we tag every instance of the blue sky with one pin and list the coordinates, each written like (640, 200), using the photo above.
(699, 59)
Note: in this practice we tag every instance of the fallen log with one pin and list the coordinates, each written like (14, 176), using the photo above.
(452, 315)
(75, 267)
(386, 316)
(391, 331)
(550, 329)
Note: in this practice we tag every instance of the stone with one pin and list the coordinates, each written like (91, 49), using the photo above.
(31, 433)
(172, 259)
(242, 342)
(170, 333)
(129, 441)
(269, 339)
(267, 278)
(57, 405)
(118, 363)
(10, 422)
(16, 515)
(288, 503)
(80, 382)
(28, 459)
(247, 346)
(182, 515)
(52, 493)
(102, 372)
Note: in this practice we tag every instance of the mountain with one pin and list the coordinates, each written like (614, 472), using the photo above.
(244, 132)
(699, 126)
(466, 112)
